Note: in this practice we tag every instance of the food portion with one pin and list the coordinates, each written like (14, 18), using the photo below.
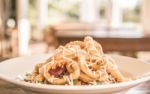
(77, 63)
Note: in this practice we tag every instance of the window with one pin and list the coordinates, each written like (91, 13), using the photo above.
(63, 10)
(132, 13)
(107, 13)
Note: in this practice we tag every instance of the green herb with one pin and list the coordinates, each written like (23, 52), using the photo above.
(28, 74)
(46, 82)
(99, 82)
(75, 82)
(41, 82)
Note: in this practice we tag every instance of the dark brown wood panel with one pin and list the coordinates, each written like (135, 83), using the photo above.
(116, 44)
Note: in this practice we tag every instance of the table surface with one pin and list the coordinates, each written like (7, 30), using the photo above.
(110, 41)
(6, 88)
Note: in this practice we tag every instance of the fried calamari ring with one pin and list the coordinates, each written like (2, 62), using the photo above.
(92, 46)
(85, 69)
(113, 70)
(38, 78)
(81, 44)
(66, 78)
(37, 67)
(99, 64)
(83, 77)
(65, 52)
(103, 76)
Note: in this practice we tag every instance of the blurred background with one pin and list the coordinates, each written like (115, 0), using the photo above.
(29, 27)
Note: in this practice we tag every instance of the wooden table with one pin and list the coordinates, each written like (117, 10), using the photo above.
(111, 41)
(6, 88)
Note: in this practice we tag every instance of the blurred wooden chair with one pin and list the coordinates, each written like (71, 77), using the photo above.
(50, 38)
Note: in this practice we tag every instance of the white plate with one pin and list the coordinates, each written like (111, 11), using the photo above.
(10, 69)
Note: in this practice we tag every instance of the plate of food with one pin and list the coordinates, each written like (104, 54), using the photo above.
(79, 67)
